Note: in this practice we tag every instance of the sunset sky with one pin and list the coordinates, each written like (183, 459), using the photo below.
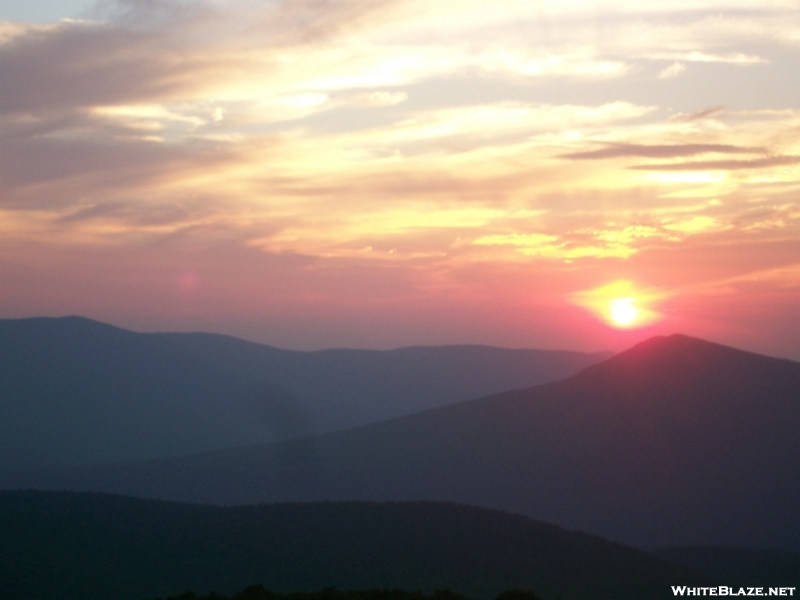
(380, 173)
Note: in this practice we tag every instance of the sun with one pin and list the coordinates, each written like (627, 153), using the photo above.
(622, 311)
(622, 304)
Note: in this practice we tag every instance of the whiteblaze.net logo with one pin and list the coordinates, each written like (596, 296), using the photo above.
(722, 590)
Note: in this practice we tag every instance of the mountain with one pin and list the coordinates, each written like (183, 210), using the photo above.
(75, 391)
(674, 442)
(59, 546)
(739, 567)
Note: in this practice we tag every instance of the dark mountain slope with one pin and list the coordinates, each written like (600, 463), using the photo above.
(739, 567)
(676, 441)
(58, 546)
(77, 391)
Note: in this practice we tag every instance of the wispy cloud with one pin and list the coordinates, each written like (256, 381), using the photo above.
(660, 151)
(736, 58)
(705, 113)
(671, 71)
(722, 165)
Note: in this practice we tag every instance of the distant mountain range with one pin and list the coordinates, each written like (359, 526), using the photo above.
(61, 546)
(676, 441)
(75, 391)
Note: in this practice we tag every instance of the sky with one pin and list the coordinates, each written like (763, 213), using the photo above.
(378, 173)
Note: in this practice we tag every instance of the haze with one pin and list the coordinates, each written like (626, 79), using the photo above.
(374, 174)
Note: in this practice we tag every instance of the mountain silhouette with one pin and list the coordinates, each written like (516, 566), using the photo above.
(60, 546)
(739, 567)
(675, 442)
(75, 391)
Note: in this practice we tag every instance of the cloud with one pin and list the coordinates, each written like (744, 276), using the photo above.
(555, 248)
(500, 123)
(696, 224)
(378, 98)
(672, 71)
(706, 113)
(239, 54)
(31, 164)
(78, 65)
(578, 62)
(144, 52)
(736, 58)
(722, 165)
(292, 126)
(620, 241)
(660, 151)
(523, 240)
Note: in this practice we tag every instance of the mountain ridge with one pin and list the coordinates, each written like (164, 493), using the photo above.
(59, 545)
(75, 391)
(674, 442)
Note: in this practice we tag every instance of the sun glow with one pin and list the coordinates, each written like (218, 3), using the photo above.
(623, 312)
(620, 304)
